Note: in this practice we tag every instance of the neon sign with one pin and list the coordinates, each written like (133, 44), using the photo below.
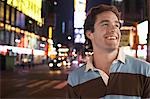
(79, 18)
(31, 8)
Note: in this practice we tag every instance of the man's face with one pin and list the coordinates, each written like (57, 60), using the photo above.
(106, 35)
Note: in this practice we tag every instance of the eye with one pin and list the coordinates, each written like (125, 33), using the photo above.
(105, 24)
(117, 25)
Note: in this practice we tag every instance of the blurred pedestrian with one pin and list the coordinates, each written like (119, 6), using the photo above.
(108, 73)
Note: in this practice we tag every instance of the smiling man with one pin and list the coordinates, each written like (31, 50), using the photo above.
(108, 73)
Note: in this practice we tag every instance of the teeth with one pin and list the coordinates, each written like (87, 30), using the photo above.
(111, 38)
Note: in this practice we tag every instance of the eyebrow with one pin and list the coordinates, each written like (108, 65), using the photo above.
(108, 21)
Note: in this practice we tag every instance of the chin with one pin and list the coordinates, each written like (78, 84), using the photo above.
(113, 48)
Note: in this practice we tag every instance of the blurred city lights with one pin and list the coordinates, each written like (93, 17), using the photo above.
(69, 37)
(59, 45)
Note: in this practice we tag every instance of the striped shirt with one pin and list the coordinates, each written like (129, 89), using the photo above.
(129, 79)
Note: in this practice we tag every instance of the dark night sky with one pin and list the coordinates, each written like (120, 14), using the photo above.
(64, 13)
(91, 3)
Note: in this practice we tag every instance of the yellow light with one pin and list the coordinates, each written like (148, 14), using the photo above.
(22, 31)
(17, 30)
(50, 32)
(43, 38)
(8, 27)
(50, 41)
(1, 24)
(31, 8)
(13, 28)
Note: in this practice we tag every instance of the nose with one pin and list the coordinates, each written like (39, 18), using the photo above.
(112, 28)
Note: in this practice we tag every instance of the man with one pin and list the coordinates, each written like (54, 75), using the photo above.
(108, 73)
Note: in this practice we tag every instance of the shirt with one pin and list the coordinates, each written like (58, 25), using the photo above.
(105, 77)
(129, 79)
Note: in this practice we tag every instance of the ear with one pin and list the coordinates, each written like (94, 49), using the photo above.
(89, 34)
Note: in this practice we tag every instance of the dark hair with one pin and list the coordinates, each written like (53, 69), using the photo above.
(91, 17)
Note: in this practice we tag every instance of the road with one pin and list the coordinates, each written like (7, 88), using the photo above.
(38, 82)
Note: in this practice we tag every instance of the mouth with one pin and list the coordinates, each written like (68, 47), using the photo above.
(111, 37)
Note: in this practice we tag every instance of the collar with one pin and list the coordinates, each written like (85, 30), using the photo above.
(120, 57)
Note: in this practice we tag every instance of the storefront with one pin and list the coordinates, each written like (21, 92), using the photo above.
(18, 38)
(134, 40)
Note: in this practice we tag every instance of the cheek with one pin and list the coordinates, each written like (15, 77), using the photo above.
(100, 32)
(98, 38)
(119, 34)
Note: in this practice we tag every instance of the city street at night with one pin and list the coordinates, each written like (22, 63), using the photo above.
(37, 82)
(43, 41)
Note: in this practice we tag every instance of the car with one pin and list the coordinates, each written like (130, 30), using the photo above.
(55, 64)
(66, 64)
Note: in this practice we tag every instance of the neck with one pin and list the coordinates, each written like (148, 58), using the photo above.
(103, 59)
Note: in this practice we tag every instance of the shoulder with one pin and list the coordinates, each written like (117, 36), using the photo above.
(138, 66)
(77, 71)
(136, 61)
(74, 76)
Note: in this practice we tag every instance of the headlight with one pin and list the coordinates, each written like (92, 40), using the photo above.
(50, 64)
(59, 64)
(55, 60)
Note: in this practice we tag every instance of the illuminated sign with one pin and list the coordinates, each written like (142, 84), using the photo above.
(79, 18)
(31, 8)
(80, 5)
(142, 30)
(125, 36)
(21, 50)
(79, 14)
